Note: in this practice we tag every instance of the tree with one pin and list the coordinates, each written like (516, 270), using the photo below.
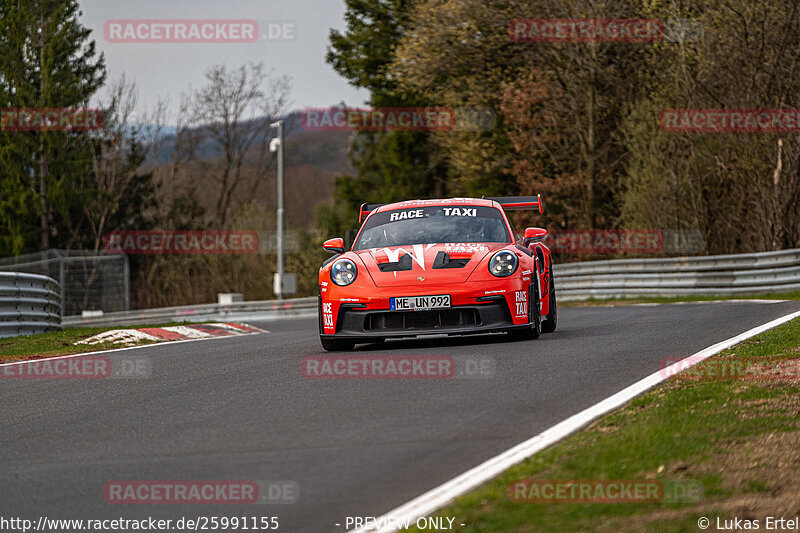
(390, 166)
(541, 155)
(47, 60)
(461, 51)
(121, 192)
(234, 111)
(739, 191)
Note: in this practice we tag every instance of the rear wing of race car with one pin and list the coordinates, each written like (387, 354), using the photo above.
(509, 203)
(519, 203)
(366, 209)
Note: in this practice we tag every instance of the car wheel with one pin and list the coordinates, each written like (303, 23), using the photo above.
(549, 325)
(533, 330)
(336, 345)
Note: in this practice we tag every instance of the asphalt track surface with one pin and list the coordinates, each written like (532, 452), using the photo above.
(239, 409)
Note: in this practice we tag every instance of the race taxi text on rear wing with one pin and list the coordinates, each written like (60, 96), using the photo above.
(509, 203)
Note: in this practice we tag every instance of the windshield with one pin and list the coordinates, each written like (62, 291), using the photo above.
(429, 225)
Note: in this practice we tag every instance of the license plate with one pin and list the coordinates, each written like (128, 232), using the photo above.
(414, 303)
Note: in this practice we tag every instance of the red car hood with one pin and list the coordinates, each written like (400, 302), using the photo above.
(422, 262)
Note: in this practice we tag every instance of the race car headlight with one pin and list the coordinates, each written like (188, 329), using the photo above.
(503, 264)
(344, 272)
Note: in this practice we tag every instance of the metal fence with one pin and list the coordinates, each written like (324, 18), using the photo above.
(88, 281)
(29, 303)
(766, 272)
(255, 310)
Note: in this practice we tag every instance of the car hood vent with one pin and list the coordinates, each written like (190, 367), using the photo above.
(403, 263)
(443, 260)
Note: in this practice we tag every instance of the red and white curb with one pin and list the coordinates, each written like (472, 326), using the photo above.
(173, 333)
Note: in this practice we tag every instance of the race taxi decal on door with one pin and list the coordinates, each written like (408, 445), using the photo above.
(521, 300)
(327, 316)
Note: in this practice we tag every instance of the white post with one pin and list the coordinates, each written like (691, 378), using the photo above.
(279, 282)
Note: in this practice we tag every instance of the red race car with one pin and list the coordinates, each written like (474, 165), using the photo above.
(424, 267)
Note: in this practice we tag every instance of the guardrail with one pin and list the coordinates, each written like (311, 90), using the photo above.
(264, 309)
(765, 272)
(29, 303)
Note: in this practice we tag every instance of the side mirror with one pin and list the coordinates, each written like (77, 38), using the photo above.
(334, 246)
(533, 235)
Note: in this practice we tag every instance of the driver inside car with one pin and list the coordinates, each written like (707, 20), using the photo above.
(471, 229)
(393, 234)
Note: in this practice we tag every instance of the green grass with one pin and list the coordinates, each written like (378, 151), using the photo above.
(677, 299)
(709, 431)
(62, 342)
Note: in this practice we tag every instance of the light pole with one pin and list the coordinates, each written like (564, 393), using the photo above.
(276, 145)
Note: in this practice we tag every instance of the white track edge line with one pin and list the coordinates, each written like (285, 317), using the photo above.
(445, 493)
(112, 350)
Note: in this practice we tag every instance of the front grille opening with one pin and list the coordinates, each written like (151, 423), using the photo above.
(411, 320)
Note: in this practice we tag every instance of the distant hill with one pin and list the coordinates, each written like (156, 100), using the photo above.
(313, 161)
(322, 148)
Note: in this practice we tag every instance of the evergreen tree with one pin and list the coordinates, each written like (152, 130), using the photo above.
(390, 166)
(47, 60)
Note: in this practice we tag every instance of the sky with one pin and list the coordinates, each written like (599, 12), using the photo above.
(296, 47)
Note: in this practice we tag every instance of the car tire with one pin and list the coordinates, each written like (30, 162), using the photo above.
(336, 345)
(533, 330)
(549, 325)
